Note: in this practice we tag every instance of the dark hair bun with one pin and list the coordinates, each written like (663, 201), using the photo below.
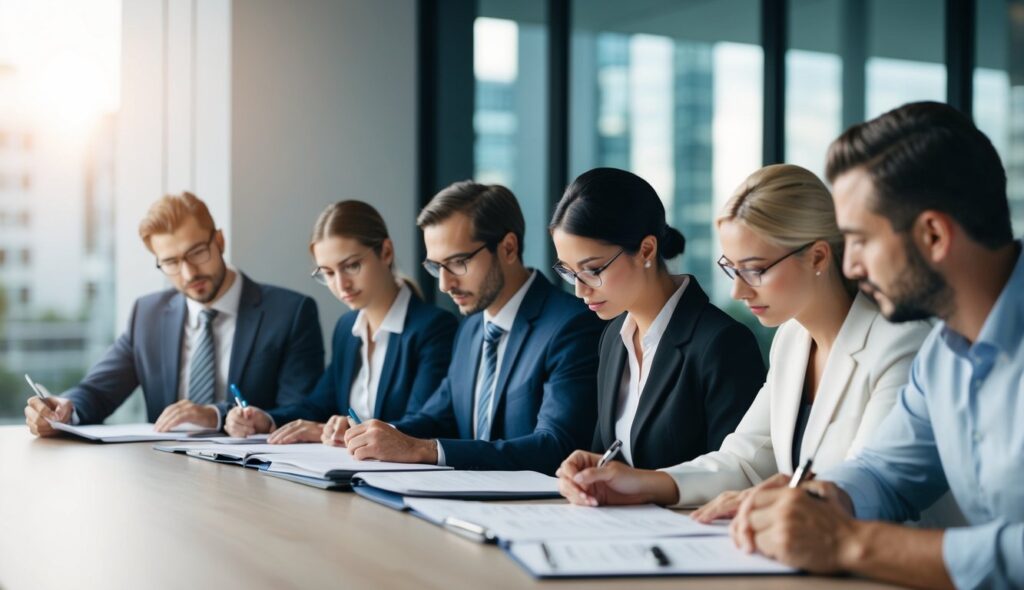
(671, 244)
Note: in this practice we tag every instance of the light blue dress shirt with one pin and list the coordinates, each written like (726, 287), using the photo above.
(958, 425)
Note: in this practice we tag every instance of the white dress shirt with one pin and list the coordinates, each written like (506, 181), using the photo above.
(634, 376)
(223, 338)
(505, 317)
(362, 397)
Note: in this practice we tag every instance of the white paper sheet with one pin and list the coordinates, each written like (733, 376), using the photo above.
(545, 522)
(333, 461)
(509, 483)
(634, 557)
(130, 432)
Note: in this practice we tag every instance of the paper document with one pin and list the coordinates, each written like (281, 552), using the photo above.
(650, 556)
(131, 432)
(463, 484)
(336, 463)
(546, 522)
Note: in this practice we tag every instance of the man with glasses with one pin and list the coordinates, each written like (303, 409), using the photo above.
(186, 345)
(520, 390)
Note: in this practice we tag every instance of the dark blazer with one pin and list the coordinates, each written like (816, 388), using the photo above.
(277, 355)
(544, 404)
(706, 372)
(414, 365)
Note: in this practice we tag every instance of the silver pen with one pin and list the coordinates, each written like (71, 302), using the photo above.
(610, 454)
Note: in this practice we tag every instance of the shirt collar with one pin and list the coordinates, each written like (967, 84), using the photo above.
(661, 321)
(507, 315)
(394, 321)
(226, 305)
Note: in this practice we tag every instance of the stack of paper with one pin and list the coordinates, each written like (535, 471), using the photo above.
(331, 467)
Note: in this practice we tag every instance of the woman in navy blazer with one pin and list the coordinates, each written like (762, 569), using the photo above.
(389, 353)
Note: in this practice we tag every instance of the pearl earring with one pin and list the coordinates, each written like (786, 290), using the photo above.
(647, 264)
(817, 274)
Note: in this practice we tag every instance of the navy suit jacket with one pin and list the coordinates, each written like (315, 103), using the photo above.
(415, 364)
(545, 395)
(276, 357)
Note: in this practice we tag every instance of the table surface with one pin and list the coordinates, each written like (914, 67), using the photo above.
(83, 515)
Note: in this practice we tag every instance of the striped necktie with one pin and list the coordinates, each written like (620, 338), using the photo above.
(492, 336)
(203, 366)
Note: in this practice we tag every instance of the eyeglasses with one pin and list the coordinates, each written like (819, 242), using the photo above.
(590, 278)
(753, 276)
(199, 254)
(324, 275)
(456, 266)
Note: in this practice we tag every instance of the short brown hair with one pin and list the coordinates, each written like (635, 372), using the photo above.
(170, 212)
(492, 208)
(928, 155)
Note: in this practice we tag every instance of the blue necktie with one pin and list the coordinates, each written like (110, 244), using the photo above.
(203, 366)
(492, 335)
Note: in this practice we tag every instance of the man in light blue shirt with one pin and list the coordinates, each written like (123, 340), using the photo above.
(921, 196)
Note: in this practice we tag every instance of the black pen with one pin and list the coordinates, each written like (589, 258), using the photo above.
(547, 556)
(660, 559)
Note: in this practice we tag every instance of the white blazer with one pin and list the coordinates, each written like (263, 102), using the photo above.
(869, 364)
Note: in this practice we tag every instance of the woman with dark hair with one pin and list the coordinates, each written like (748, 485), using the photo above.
(390, 352)
(676, 373)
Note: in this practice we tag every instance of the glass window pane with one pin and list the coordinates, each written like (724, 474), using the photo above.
(999, 91)
(851, 60)
(59, 97)
(510, 44)
(674, 94)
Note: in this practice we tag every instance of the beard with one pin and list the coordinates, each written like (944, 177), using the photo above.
(920, 292)
(493, 283)
(216, 282)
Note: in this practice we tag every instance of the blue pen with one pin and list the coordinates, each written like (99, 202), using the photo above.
(355, 417)
(239, 400)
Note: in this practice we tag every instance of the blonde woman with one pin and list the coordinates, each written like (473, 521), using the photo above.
(835, 368)
(389, 353)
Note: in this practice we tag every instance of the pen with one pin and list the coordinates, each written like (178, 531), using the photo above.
(469, 530)
(547, 556)
(660, 559)
(355, 417)
(610, 454)
(801, 475)
(41, 393)
(239, 400)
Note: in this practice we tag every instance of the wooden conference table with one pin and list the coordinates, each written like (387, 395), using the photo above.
(81, 515)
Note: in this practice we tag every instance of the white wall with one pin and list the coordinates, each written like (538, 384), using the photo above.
(323, 109)
(269, 111)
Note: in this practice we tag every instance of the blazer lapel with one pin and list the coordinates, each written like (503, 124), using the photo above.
(464, 403)
(529, 310)
(787, 376)
(667, 359)
(172, 323)
(247, 327)
(387, 374)
(613, 365)
(836, 377)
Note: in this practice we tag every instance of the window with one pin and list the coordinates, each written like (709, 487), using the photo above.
(851, 61)
(510, 44)
(999, 91)
(24, 295)
(675, 96)
(26, 257)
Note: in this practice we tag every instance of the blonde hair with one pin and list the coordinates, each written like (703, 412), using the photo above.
(170, 212)
(361, 222)
(788, 206)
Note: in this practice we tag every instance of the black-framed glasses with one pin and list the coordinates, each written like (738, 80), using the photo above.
(324, 275)
(590, 278)
(199, 254)
(753, 276)
(456, 266)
